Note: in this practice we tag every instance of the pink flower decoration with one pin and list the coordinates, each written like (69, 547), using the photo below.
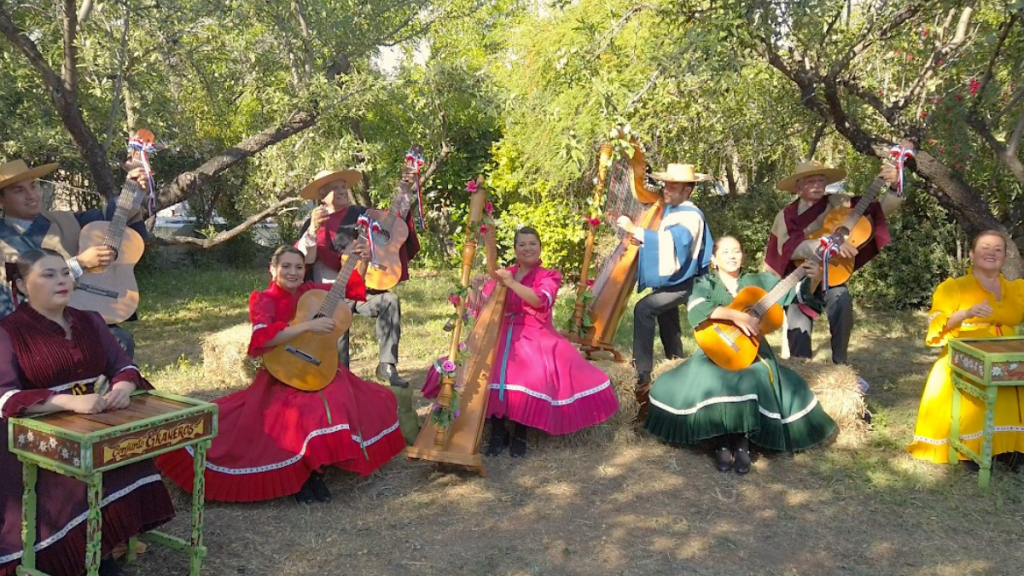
(483, 228)
(974, 86)
(590, 283)
(595, 222)
(471, 186)
(463, 346)
(489, 208)
(454, 299)
(448, 366)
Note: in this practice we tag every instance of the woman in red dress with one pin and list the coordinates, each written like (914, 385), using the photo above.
(275, 440)
(50, 359)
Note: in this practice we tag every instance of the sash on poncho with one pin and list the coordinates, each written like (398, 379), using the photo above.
(787, 235)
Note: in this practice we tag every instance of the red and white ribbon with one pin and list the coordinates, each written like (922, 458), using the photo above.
(417, 162)
(829, 248)
(371, 227)
(900, 155)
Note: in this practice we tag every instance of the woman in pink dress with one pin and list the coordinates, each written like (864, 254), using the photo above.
(539, 379)
(276, 440)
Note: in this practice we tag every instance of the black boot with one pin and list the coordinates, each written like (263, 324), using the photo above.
(305, 494)
(499, 436)
(320, 491)
(742, 464)
(517, 449)
(723, 454)
(643, 393)
(388, 373)
(110, 567)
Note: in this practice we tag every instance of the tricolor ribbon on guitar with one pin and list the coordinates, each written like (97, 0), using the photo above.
(829, 248)
(371, 227)
(144, 149)
(900, 155)
(416, 161)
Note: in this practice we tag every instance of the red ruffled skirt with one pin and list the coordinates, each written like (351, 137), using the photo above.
(273, 436)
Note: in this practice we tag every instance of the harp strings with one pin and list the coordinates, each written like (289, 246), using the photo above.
(621, 202)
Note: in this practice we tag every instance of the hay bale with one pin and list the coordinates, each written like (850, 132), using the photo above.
(840, 395)
(224, 356)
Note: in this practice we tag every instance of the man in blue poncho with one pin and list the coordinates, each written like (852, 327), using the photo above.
(671, 258)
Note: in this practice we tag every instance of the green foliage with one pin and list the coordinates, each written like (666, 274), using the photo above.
(748, 217)
(561, 232)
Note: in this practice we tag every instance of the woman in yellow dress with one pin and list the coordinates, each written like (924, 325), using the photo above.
(982, 304)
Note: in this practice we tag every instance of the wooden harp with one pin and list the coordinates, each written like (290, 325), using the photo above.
(622, 178)
(459, 443)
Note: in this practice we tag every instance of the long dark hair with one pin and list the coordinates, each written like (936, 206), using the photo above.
(26, 261)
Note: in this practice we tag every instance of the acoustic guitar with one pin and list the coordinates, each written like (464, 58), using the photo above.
(385, 271)
(310, 360)
(849, 225)
(725, 344)
(112, 290)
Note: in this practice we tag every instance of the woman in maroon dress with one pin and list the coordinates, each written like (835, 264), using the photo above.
(50, 358)
(274, 440)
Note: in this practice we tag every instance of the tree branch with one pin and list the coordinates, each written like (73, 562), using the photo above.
(867, 41)
(222, 237)
(188, 182)
(118, 82)
(987, 77)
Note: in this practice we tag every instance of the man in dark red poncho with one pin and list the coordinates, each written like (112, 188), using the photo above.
(325, 236)
(788, 244)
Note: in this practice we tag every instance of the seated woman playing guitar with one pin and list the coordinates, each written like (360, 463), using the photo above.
(981, 304)
(766, 403)
(275, 440)
(539, 379)
(52, 358)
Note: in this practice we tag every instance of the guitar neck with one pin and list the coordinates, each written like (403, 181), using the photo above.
(865, 200)
(127, 202)
(337, 291)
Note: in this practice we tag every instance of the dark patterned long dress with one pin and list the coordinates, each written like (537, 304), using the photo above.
(37, 361)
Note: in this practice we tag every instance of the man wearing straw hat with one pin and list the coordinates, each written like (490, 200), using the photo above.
(788, 244)
(670, 259)
(26, 226)
(331, 227)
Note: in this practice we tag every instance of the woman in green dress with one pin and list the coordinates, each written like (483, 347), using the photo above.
(767, 404)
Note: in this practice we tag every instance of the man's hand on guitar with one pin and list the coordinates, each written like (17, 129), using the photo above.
(139, 176)
(813, 270)
(319, 325)
(361, 249)
(889, 174)
(96, 257)
(745, 322)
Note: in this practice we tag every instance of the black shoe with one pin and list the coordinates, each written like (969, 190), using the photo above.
(742, 464)
(320, 491)
(643, 397)
(517, 448)
(305, 494)
(110, 567)
(499, 437)
(388, 373)
(723, 459)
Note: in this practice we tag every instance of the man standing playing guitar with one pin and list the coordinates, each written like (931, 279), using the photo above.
(331, 227)
(797, 233)
(26, 226)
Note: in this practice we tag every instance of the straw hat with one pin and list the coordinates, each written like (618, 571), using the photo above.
(325, 177)
(680, 173)
(17, 171)
(812, 168)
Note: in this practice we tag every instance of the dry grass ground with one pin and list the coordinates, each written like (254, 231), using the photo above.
(604, 502)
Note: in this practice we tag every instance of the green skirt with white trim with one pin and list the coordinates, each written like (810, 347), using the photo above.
(771, 404)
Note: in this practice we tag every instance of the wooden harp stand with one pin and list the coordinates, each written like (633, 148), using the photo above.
(459, 442)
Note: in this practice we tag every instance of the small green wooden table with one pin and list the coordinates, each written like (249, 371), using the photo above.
(84, 446)
(980, 367)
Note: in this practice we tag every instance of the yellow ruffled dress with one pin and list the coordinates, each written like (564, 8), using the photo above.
(933, 417)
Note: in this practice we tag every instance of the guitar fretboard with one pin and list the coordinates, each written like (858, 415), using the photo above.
(129, 201)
